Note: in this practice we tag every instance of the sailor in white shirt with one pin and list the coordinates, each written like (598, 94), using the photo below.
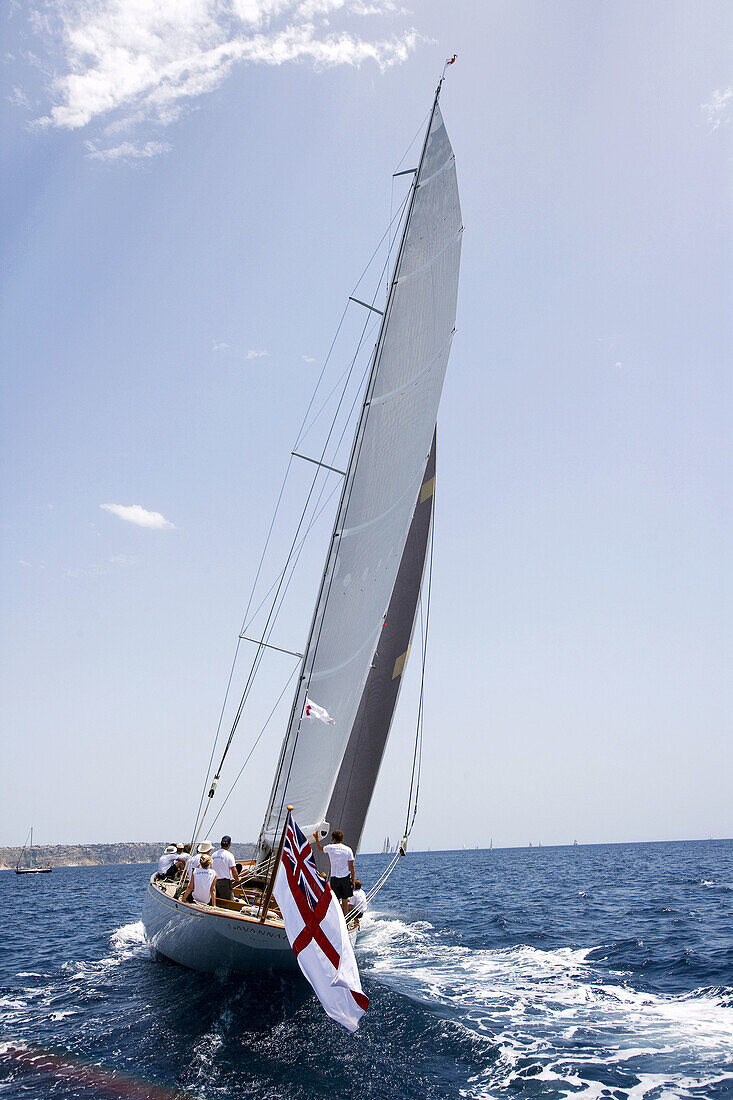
(194, 861)
(358, 904)
(203, 884)
(169, 859)
(341, 859)
(225, 866)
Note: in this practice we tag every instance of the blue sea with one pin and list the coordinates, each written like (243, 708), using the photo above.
(598, 972)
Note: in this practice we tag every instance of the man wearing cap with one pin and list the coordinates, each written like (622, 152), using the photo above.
(225, 866)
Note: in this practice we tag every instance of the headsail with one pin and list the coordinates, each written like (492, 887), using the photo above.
(383, 479)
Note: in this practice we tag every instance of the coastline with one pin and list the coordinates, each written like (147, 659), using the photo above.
(98, 855)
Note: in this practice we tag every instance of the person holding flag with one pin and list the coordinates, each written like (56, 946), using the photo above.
(341, 859)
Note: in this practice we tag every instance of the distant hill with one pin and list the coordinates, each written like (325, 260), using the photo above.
(96, 855)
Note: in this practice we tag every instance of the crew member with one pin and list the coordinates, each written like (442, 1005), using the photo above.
(341, 859)
(202, 884)
(357, 905)
(225, 866)
(195, 861)
(168, 862)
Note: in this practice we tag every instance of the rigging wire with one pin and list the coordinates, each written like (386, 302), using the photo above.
(277, 603)
(412, 806)
(317, 513)
(395, 235)
(417, 754)
(345, 500)
(252, 749)
(302, 432)
(397, 218)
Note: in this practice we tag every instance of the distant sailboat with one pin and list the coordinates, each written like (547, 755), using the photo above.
(30, 869)
(359, 640)
(386, 846)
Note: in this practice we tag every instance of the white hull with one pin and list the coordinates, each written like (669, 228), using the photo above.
(213, 940)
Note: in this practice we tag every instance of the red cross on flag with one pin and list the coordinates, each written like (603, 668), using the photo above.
(317, 931)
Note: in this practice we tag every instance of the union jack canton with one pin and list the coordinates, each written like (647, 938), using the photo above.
(303, 873)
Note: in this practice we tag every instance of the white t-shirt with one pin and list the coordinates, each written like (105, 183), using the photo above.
(358, 901)
(166, 861)
(339, 855)
(202, 880)
(223, 861)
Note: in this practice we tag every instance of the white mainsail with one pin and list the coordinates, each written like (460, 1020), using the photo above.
(382, 484)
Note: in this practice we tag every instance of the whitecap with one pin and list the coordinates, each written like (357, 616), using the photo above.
(524, 1000)
(129, 940)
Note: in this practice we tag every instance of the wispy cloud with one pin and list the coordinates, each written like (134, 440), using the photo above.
(718, 109)
(308, 358)
(141, 517)
(218, 347)
(143, 61)
(128, 150)
(20, 99)
(254, 354)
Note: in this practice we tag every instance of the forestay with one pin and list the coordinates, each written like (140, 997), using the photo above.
(382, 484)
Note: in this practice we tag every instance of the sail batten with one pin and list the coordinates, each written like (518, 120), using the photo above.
(382, 486)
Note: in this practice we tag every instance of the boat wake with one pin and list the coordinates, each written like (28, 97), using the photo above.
(553, 1016)
(126, 942)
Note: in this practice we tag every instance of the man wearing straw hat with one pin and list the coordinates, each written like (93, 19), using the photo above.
(203, 849)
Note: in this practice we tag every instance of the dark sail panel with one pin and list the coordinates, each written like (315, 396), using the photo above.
(352, 793)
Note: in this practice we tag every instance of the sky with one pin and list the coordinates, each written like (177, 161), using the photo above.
(190, 193)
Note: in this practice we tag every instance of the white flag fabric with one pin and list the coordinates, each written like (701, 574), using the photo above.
(317, 932)
(312, 710)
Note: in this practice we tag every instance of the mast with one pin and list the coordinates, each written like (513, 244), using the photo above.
(414, 364)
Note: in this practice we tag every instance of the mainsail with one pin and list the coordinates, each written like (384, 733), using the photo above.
(383, 481)
(359, 769)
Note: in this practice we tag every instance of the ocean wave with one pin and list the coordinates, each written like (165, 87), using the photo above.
(127, 942)
(551, 1013)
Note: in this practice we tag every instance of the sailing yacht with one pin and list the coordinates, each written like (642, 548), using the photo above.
(359, 638)
(31, 869)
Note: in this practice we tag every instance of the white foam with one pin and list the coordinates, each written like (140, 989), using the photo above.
(204, 1051)
(129, 940)
(524, 999)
